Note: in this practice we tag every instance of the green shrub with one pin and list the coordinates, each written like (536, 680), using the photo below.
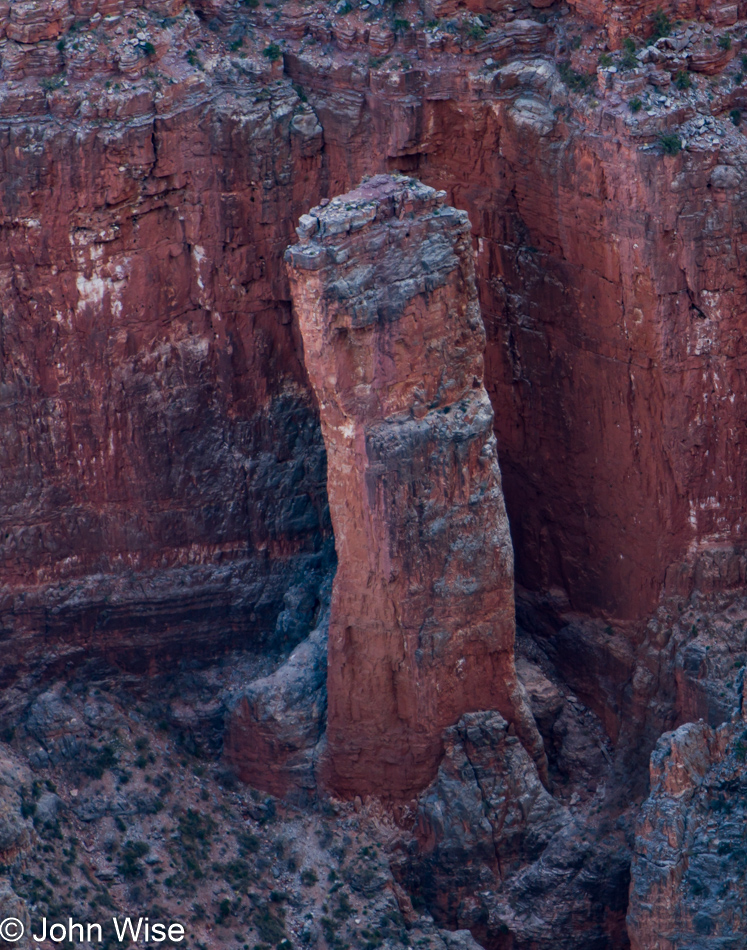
(662, 25)
(269, 924)
(195, 834)
(272, 52)
(724, 42)
(99, 760)
(683, 79)
(236, 873)
(129, 866)
(605, 60)
(344, 908)
(475, 32)
(50, 83)
(736, 116)
(577, 82)
(248, 843)
(628, 59)
(671, 144)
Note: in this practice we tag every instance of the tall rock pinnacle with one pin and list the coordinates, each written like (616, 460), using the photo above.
(422, 616)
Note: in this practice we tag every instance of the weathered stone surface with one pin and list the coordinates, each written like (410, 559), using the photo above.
(34, 20)
(486, 809)
(688, 888)
(274, 727)
(422, 615)
(496, 853)
(15, 829)
(163, 473)
(12, 905)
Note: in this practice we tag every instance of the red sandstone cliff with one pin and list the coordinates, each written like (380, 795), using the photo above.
(162, 489)
(422, 613)
(605, 288)
(163, 479)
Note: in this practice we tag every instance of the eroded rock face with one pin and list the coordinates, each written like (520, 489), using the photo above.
(688, 886)
(496, 853)
(486, 811)
(422, 615)
(275, 726)
(163, 473)
(15, 829)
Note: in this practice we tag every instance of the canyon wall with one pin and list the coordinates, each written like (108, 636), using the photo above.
(422, 615)
(163, 474)
(605, 306)
(612, 314)
(163, 483)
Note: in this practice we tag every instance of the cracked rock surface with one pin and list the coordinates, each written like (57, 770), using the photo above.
(422, 615)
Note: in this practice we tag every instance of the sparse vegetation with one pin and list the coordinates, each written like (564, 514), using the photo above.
(475, 32)
(628, 59)
(671, 144)
(272, 52)
(99, 760)
(270, 923)
(662, 25)
(129, 866)
(683, 79)
(577, 82)
(195, 836)
(50, 83)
